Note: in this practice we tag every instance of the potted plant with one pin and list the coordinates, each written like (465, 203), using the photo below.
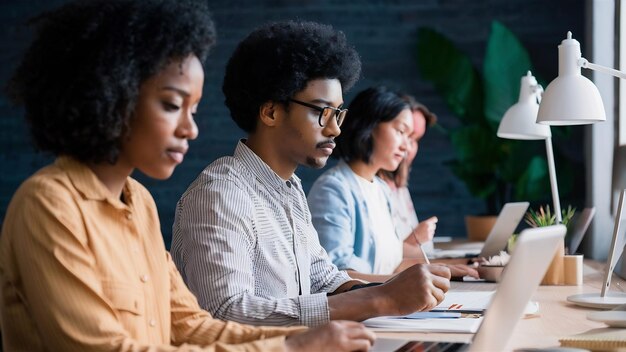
(545, 217)
(555, 274)
(494, 169)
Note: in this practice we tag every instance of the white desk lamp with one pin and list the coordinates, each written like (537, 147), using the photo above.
(519, 122)
(572, 99)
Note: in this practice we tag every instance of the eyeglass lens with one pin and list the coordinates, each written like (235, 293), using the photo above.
(329, 113)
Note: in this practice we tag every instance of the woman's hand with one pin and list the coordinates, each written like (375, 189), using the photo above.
(338, 335)
(425, 230)
(460, 270)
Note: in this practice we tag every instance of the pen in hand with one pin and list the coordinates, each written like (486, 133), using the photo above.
(419, 244)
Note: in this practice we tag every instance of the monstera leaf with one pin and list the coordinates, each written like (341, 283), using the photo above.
(452, 74)
(506, 61)
(533, 180)
(492, 168)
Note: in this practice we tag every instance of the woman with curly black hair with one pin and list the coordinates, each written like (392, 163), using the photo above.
(243, 237)
(109, 87)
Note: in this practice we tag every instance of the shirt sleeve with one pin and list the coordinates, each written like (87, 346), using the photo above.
(64, 291)
(325, 277)
(333, 215)
(213, 246)
(191, 324)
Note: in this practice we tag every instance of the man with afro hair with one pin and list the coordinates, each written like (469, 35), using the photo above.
(243, 238)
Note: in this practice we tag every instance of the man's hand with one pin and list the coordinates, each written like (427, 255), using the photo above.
(338, 335)
(418, 288)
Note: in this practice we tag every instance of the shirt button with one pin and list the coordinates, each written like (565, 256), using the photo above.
(152, 322)
(144, 278)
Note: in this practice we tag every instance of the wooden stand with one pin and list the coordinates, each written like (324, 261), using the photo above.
(555, 275)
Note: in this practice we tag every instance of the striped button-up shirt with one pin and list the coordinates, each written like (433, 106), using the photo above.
(245, 245)
(81, 270)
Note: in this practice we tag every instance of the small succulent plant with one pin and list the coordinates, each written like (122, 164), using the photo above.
(546, 218)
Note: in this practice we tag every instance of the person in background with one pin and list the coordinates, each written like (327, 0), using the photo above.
(350, 205)
(415, 233)
(242, 237)
(110, 87)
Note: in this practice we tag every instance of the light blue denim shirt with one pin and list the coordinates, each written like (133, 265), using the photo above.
(340, 215)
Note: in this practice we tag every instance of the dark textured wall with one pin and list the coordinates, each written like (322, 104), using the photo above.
(384, 33)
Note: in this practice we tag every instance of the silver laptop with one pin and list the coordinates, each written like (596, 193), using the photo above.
(533, 253)
(577, 230)
(508, 219)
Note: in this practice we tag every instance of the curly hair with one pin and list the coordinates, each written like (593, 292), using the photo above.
(278, 60)
(80, 78)
(368, 109)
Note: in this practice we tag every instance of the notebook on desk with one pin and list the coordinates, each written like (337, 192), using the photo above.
(508, 219)
(533, 253)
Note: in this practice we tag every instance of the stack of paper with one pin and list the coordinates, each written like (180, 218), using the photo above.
(454, 325)
(473, 302)
(446, 317)
(465, 301)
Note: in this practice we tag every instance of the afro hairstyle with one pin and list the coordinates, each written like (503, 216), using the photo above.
(278, 60)
(80, 77)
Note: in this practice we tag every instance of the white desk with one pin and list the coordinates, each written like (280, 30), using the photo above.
(556, 317)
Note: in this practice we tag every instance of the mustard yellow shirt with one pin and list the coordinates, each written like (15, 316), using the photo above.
(83, 271)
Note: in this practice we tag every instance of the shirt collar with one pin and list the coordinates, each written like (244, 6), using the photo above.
(88, 184)
(258, 167)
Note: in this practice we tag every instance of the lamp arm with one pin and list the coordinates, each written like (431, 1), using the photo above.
(582, 62)
(555, 188)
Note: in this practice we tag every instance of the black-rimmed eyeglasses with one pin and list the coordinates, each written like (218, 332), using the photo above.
(326, 112)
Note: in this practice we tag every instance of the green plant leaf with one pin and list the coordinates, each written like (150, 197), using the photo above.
(492, 168)
(534, 183)
(506, 61)
(565, 173)
(524, 167)
(452, 74)
(478, 148)
(478, 153)
(481, 185)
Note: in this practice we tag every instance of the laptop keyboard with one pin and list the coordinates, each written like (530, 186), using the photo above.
(425, 346)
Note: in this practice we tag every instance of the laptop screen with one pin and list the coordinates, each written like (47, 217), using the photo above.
(533, 253)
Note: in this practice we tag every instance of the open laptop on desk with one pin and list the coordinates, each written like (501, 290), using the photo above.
(533, 253)
(576, 232)
(508, 219)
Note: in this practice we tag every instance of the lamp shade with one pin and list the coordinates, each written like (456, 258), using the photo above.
(519, 121)
(571, 99)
